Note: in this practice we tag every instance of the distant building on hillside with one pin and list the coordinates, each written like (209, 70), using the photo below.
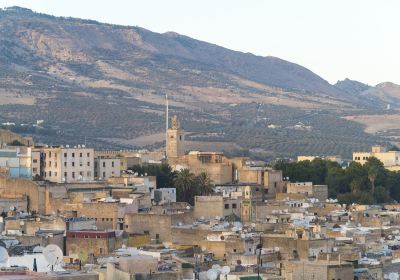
(337, 159)
(390, 159)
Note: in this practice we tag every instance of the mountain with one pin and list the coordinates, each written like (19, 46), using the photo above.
(82, 80)
(351, 86)
(385, 92)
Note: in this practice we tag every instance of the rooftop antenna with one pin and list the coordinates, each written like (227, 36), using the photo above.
(166, 125)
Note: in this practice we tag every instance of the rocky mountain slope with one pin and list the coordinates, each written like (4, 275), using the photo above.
(100, 82)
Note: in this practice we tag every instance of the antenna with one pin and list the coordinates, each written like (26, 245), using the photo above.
(53, 255)
(166, 125)
(3, 257)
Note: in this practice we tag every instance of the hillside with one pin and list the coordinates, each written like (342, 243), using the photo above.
(351, 86)
(102, 83)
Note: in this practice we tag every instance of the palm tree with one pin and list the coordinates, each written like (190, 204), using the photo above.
(204, 184)
(185, 184)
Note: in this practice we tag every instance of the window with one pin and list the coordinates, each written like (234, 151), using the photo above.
(55, 164)
(95, 174)
(81, 173)
(89, 173)
(80, 154)
(65, 163)
(35, 161)
(88, 154)
(65, 174)
(55, 155)
(234, 206)
(73, 163)
(88, 163)
(49, 163)
(226, 206)
(73, 175)
(73, 154)
(104, 164)
(101, 251)
(65, 155)
(112, 164)
(34, 170)
(49, 154)
(80, 164)
(49, 173)
(55, 174)
(104, 174)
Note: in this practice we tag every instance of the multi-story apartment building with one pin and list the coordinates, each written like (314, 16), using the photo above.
(107, 167)
(67, 165)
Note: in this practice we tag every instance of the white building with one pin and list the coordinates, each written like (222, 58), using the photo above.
(105, 167)
(163, 196)
(67, 165)
(15, 162)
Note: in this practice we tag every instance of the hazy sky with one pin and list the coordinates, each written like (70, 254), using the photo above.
(358, 39)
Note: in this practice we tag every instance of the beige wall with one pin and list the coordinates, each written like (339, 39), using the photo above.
(157, 225)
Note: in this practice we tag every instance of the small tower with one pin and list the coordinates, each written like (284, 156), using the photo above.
(175, 139)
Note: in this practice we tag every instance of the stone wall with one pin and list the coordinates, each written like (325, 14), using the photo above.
(34, 192)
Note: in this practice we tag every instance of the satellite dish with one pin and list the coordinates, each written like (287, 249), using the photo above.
(225, 270)
(3, 256)
(212, 274)
(21, 223)
(216, 267)
(38, 249)
(53, 254)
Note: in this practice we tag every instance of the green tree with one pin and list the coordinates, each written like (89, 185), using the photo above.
(337, 181)
(376, 172)
(185, 184)
(164, 174)
(204, 184)
(381, 195)
(393, 184)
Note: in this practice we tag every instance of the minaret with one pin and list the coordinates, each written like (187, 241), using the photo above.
(175, 139)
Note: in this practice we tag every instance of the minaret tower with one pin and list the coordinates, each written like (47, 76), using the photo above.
(175, 139)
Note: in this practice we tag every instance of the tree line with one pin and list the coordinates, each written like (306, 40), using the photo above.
(365, 184)
(187, 184)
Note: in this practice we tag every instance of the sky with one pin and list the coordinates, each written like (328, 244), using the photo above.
(337, 39)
